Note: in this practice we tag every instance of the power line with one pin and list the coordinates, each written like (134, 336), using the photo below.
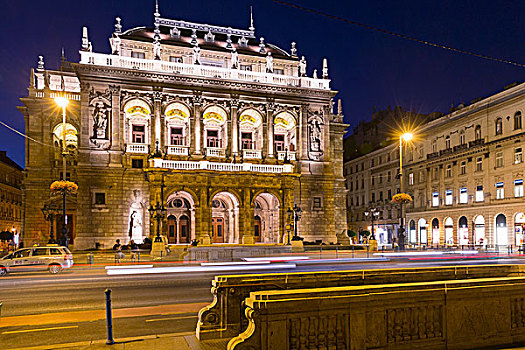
(400, 36)
(24, 135)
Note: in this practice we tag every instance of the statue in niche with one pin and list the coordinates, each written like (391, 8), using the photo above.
(315, 135)
(135, 226)
(196, 54)
(100, 120)
(115, 42)
(235, 59)
(269, 63)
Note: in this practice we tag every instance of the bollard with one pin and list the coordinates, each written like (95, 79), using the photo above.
(367, 251)
(161, 256)
(320, 251)
(109, 318)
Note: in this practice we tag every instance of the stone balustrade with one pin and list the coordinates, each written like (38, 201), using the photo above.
(223, 317)
(137, 148)
(217, 166)
(178, 150)
(201, 70)
(462, 314)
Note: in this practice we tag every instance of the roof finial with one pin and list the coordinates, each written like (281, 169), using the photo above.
(40, 65)
(325, 69)
(85, 40)
(252, 28)
(118, 26)
(339, 107)
(157, 22)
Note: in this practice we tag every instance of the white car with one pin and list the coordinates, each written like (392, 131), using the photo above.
(51, 258)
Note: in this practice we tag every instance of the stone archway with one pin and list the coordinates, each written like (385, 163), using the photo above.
(266, 207)
(181, 217)
(224, 218)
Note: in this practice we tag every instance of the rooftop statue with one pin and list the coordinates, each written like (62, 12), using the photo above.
(302, 67)
(115, 43)
(156, 49)
(234, 59)
(196, 54)
(269, 63)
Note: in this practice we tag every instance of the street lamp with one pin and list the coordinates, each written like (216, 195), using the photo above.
(373, 213)
(49, 214)
(289, 212)
(158, 212)
(62, 102)
(297, 212)
(407, 136)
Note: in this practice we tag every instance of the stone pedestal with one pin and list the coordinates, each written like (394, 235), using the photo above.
(248, 239)
(373, 245)
(297, 247)
(205, 240)
(158, 247)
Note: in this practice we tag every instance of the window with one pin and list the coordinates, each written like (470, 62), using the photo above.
(100, 198)
(462, 138)
(351, 185)
(463, 168)
(279, 146)
(448, 170)
(479, 163)
(176, 138)
(436, 173)
(372, 162)
(447, 142)
(373, 197)
(389, 194)
(40, 252)
(54, 251)
(411, 178)
(477, 132)
(499, 126)
(317, 203)
(247, 67)
(137, 163)
(136, 54)
(278, 71)
(517, 120)
(176, 59)
(421, 176)
(373, 180)
(389, 176)
(246, 140)
(434, 146)
(499, 159)
(212, 138)
(479, 193)
(68, 176)
(380, 195)
(357, 201)
(380, 178)
(138, 134)
(463, 195)
(518, 188)
(448, 197)
(356, 184)
(435, 199)
(518, 155)
(500, 192)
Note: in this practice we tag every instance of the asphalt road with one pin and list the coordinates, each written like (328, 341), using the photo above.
(78, 291)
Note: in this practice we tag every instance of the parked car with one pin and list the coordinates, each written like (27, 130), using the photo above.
(51, 258)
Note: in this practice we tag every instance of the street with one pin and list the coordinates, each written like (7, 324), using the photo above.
(43, 309)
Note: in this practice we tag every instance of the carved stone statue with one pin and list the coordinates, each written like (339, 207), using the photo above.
(315, 136)
(196, 54)
(156, 49)
(135, 226)
(315, 74)
(269, 63)
(234, 59)
(302, 67)
(115, 42)
(100, 120)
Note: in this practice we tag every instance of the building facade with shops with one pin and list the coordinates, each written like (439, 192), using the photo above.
(465, 172)
(219, 127)
(11, 210)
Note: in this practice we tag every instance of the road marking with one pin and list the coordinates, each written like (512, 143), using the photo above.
(38, 329)
(171, 318)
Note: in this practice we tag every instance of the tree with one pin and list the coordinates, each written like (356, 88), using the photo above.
(352, 234)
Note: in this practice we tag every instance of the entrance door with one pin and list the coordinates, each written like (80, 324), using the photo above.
(172, 226)
(184, 229)
(217, 230)
(69, 225)
(257, 229)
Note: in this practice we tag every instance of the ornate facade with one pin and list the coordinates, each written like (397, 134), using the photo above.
(11, 177)
(223, 129)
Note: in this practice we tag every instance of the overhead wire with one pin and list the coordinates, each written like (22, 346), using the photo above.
(398, 35)
(24, 135)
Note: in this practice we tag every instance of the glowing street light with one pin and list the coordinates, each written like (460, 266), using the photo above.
(407, 136)
(62, 102)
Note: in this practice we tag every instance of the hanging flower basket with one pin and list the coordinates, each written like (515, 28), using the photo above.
(61, 187)
(401, 198)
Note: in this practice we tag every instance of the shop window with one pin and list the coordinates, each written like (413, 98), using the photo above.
(138, 134)
(518, 155)
(517, 120)
(463, 195)
(435, 199)
(500, 192)
(448, 197)
(499, 159)
(479, 194)
(137, 163)
(518, 188)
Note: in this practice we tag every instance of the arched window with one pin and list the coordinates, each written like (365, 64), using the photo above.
(251, 133)
(71, 136)
(462, 137)
(284, 133)
(477, 132)
(215, 132)
(137, 133)
(517, 120)
(177, 117)
(447, 142)
(499, 126)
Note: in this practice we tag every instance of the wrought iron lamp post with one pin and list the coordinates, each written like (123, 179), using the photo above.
(158, 212)
(49, 214)
(62, 102)
(373, 213)
(407, 136)
(289, 212)
(296, 211)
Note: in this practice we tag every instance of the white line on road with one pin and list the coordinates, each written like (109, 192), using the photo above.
(171, 318)
(38, 329)
(199, 269)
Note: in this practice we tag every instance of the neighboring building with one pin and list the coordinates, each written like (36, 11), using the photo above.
(223, 129)
(11, 212)
(465, 174)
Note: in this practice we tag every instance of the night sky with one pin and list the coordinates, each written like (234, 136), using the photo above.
(369, 69)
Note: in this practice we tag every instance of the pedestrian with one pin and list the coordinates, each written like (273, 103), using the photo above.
(118, 251)
(133, 249)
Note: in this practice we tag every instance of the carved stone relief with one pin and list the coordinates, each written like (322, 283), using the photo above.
(100, 113)
(315, 136)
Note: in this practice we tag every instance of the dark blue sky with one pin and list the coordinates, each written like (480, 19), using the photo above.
(368, 68)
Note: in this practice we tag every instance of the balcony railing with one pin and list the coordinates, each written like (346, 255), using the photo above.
(137, 148)
(477, 142)
(251, 154)
(281, 155)
(215, 166)
(460, 147)
(178, 150)
(201, 70)
(215, 152)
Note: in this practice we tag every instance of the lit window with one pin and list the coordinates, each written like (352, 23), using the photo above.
(477, 132)
(435, 199)
(411, 178)
(447, 142)
(518, 188)
(479, 163)
(499, 126)
(518, 155)
(499, 159)
(448, 170)
(136, 54)
(463, 196)
(500, 193)
(138, 134)
(176, 138)
(479, 194)
(448, 197)
(462, 138)
(517, 120)
(463, 168)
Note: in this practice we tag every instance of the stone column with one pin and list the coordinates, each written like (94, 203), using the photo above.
(197, 101)
(303, 132)
(203, 218)
(246, 219)
(114, 129)
(234, 105)
(86, 122)
(156, 125)
(270, 106)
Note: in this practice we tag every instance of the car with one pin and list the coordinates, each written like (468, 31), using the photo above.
(51, 258)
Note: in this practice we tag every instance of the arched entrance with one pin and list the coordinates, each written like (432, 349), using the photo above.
(412, 232)
(224, 218)
(181, 218)
(463, 231)
(519, 223)
(449, 231)
(257, 228)
(266, 208)
(435, 231)
(479, 230)
(422, 228)
(501, 230)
